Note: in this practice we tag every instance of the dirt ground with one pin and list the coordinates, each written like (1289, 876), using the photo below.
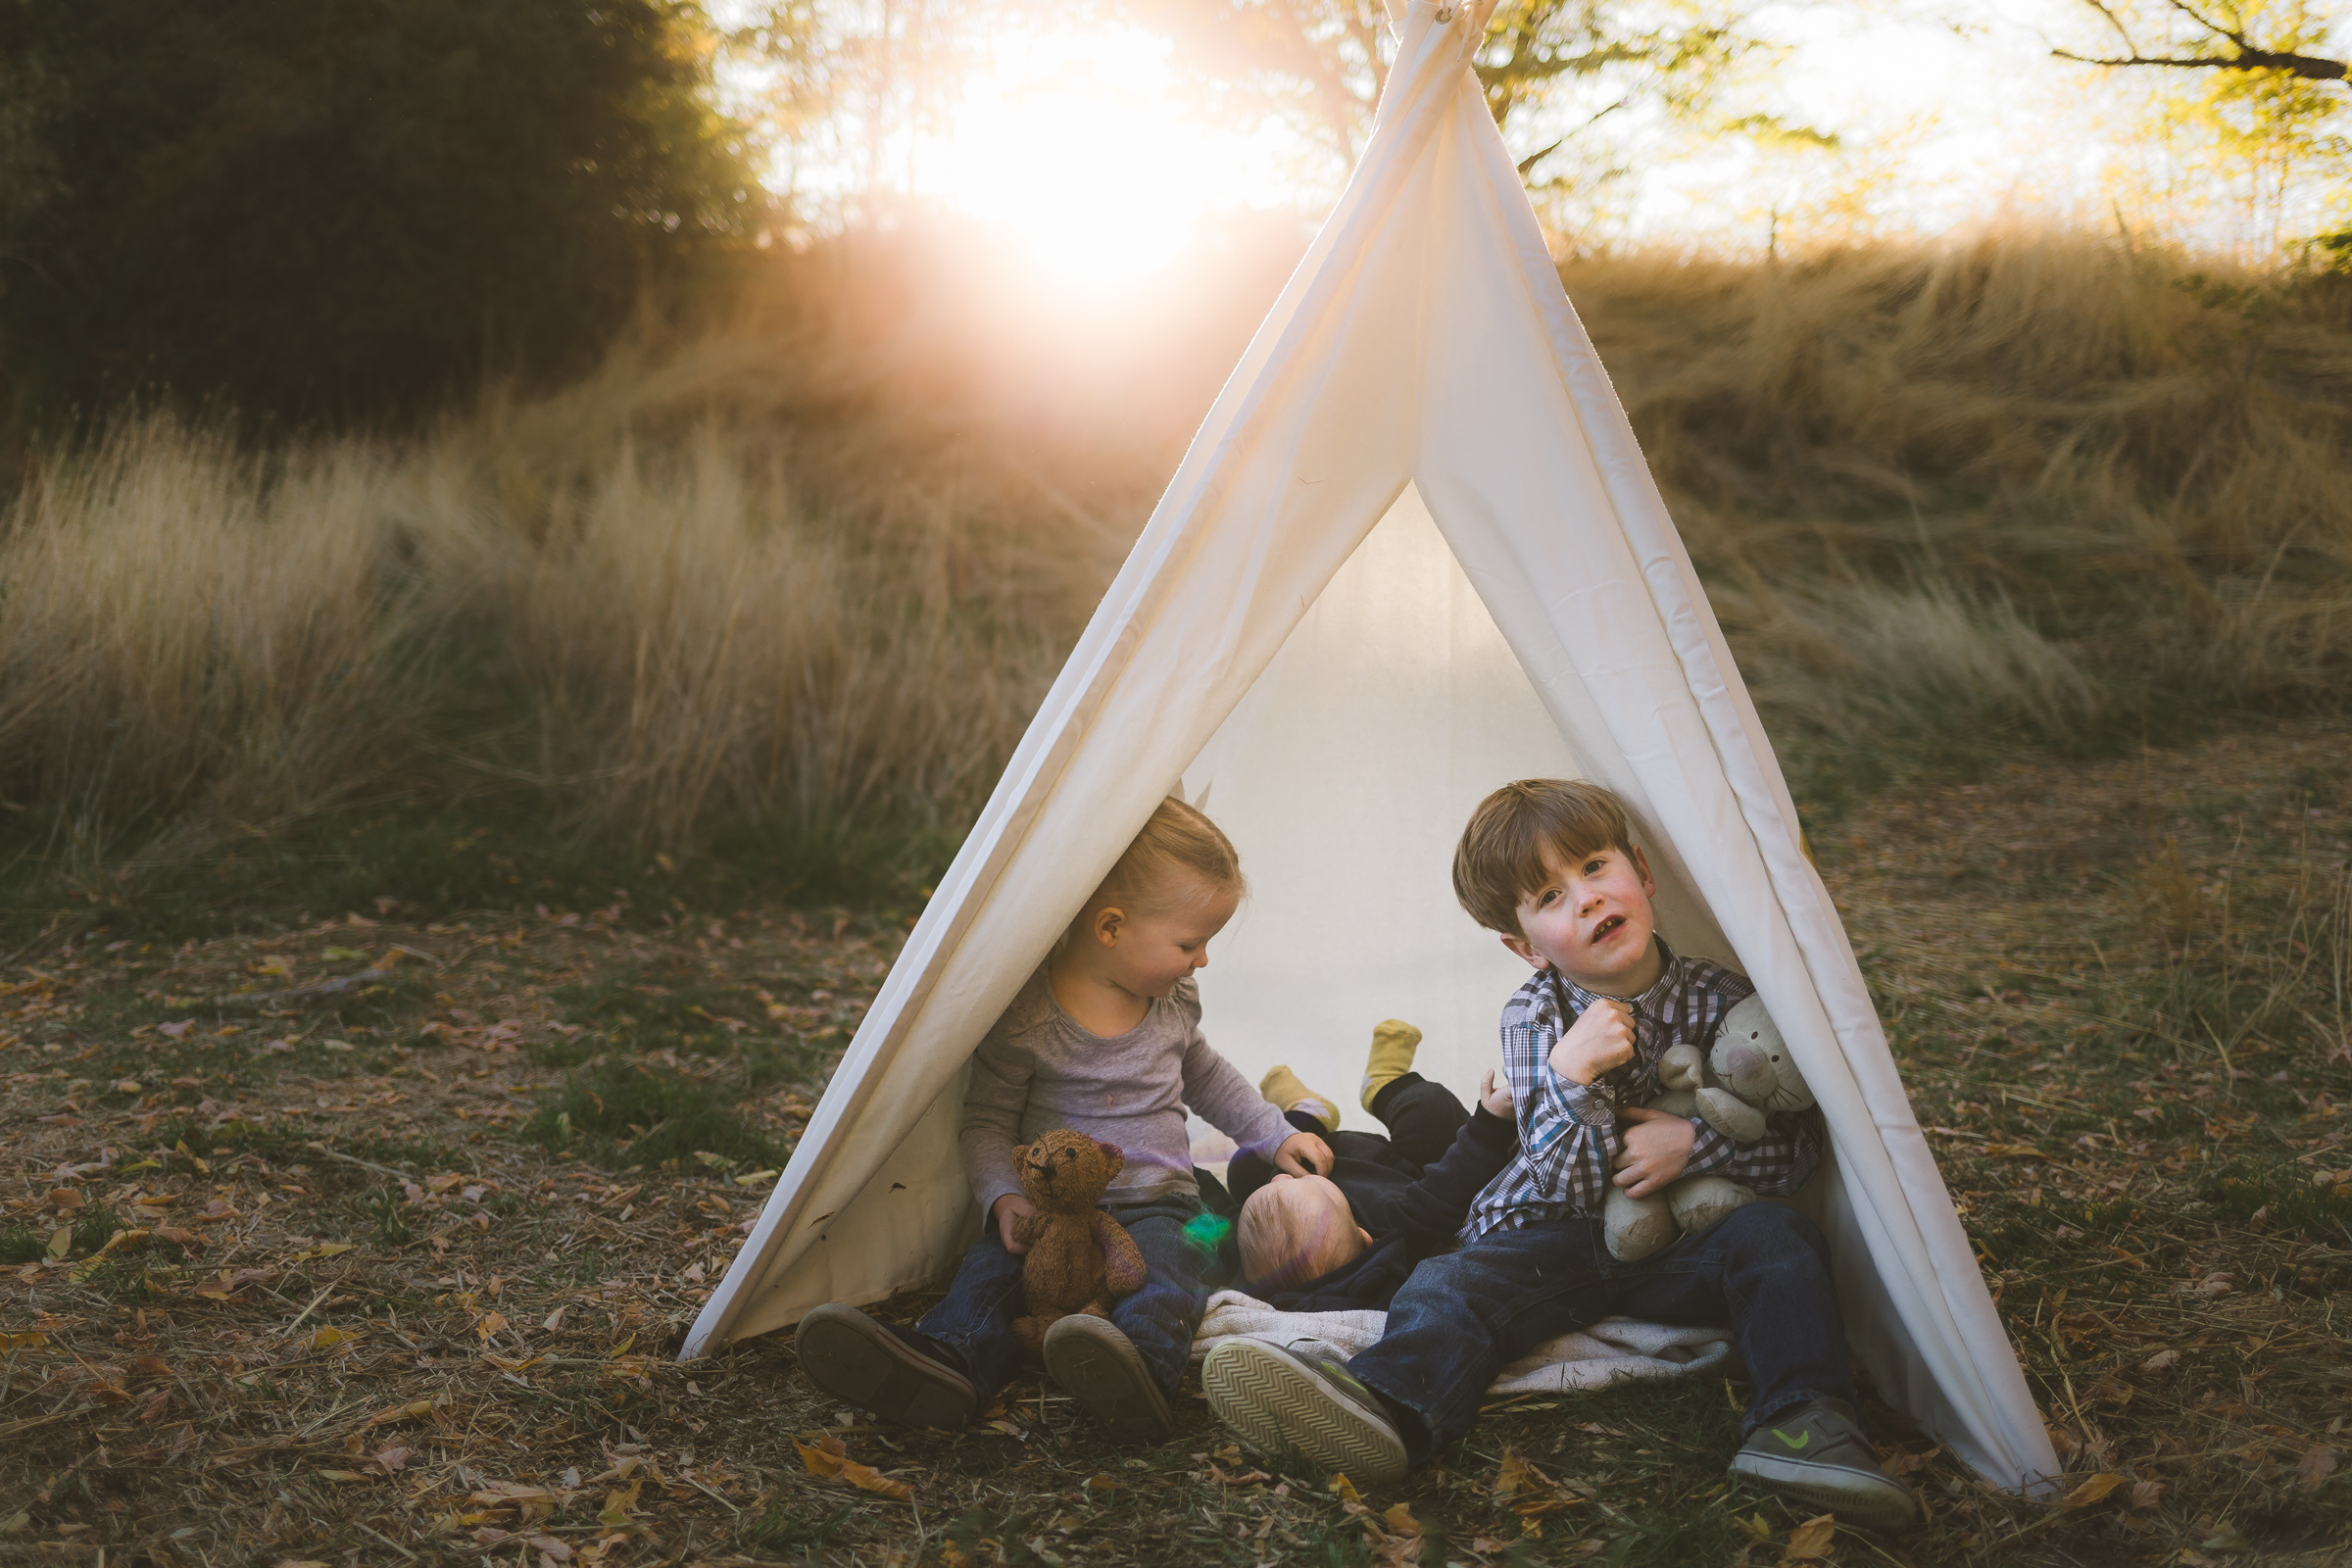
(370, 1241)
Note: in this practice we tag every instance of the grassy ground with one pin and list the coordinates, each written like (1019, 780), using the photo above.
(390, 1271)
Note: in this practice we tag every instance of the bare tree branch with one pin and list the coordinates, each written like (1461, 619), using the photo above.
(2310, 67)
(2243, 54)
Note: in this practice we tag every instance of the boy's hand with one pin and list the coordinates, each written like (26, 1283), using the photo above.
(1004, 1211)
(1601, 1037)
(1657, 1145)
(1496, 1100)
(1303, 1154)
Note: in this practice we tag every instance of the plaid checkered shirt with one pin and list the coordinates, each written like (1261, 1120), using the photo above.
(1568, 1131)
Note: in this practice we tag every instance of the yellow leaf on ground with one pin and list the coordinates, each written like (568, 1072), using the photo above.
(328, 1337)
(839, 1467)
(23, 1341)
(413, 1411)
(1400, 1519)
(1345, 1490)
(2094, 1489)
(1810, 1540)
(617, 1506)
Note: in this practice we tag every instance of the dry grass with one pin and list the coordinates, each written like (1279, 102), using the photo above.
(2030, 481)
(372, 1318)
(819, 567)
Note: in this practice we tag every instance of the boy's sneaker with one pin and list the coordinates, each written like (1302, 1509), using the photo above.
(1818, 1454)
(1101, 1369)
(853, 1357)
(1301, 1398)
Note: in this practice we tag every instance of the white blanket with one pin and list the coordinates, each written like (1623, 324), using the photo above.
(1612, 1348)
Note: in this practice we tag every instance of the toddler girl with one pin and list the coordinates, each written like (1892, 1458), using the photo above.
(1104, 1039)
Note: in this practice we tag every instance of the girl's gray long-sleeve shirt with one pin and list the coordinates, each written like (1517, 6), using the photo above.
(1037, 1069)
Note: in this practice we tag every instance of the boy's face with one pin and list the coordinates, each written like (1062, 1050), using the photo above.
(1590, 918)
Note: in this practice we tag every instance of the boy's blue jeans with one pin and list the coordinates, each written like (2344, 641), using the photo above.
(1464, 1316)
(1179, 1239)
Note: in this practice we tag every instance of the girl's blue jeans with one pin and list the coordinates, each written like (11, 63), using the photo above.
(1181, 1243)
(1465, 1315)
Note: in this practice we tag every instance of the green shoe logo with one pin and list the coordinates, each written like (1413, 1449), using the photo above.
(1794, 1443)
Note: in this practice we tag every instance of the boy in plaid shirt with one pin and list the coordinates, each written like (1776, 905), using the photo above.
(1551, 866)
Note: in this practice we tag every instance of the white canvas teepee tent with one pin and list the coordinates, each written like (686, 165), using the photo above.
(1413, 553)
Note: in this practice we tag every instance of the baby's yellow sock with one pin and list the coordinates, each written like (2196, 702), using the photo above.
(1283, 1087)
(1393, 1045)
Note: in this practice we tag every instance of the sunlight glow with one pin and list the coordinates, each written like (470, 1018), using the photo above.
(1081, 145)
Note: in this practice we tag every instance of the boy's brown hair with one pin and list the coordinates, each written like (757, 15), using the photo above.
(1500, 857)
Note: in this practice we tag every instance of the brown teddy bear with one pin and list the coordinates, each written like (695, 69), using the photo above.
(1080, 1259)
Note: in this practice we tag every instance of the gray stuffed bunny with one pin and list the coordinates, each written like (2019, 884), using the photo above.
(1748, 1074)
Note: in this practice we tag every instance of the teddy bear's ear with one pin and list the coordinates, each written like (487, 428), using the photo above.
(1020, 1154)
(1115, 1154)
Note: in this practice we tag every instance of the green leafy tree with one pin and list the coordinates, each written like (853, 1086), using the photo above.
(347, 209)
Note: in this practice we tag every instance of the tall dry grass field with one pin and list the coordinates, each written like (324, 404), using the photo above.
(819, 569)
(2036, 485)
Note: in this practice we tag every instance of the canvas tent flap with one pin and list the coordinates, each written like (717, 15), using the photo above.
(1422, 381)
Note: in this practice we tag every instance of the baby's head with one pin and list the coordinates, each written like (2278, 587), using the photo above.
(1551, 866)
(1295, 1229)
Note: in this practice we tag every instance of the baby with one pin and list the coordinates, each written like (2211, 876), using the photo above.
(1348, 1240)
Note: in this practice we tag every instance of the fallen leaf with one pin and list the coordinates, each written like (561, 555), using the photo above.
(1810, 1540)
(1517, 1473)
(836, 1467)
(615, 1514)
(62, 1242)
(491, 1323)
(1400, 1519)
(1345, 1490)
(392, 1459)
(413, 1411)
(2065, 1442)
(1758, 1528)
(342, 1475)
(2317, 1465)
(2094, 1489)
(2147, 1494)
(28, 1341)
(2160, 1360)
(548, 1546)
(326, 1337)
(1597, 1429)
(331, 1249)
(1906, 1464)
(2011, 1152)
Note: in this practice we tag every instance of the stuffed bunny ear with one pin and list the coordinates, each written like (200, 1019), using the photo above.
(1115, 1154)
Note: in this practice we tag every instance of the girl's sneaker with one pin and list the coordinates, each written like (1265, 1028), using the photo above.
(857, 1359)
(1100, 1368)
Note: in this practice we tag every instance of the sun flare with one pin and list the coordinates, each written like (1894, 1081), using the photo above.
(1083, 146)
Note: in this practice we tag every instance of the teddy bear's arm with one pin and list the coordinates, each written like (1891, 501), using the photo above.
(1029, 1229)
(1122, 1261)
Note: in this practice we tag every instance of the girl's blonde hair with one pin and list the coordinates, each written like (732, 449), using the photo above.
(1177, 844)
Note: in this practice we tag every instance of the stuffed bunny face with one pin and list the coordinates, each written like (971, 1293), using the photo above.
(1754, 1062)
